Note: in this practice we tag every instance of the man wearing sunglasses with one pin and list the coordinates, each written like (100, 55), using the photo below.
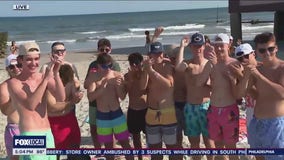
(58, 50)
(103, 47)
(107, 88)
(13, 68)
(266, 84)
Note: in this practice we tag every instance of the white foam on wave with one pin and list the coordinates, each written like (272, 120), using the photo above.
(21, 42)
(177, 27)
(64, 41)
(90, 32)
(257, 27)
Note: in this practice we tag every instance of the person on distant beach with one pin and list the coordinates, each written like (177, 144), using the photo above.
(107, 88)
(103, 47)
(232, 47)
(137, 99)
(266, 84)
(27, 93)
(179, 92)
(197, 71)
(223, 113)
(161, 122)
(13, 68)
(148, 37)
(63, 122)
(14, 48)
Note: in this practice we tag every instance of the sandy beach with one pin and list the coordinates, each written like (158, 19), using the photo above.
(82, 61)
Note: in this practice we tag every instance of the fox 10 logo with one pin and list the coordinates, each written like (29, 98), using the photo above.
(29, 142)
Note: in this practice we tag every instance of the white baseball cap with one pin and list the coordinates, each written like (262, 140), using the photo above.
(243, 49)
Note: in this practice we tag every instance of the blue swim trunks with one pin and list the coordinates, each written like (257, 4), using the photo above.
(267, 133)
(196, 119)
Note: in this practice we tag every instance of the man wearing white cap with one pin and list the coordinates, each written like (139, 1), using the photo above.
(27, 92)
(12, 128)
(223, 113)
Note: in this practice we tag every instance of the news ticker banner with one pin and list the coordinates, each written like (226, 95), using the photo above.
(36, 145)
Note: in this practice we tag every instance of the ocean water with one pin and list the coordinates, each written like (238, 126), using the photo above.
(81, 32)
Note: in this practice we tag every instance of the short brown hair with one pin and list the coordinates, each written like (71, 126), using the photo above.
(264, 38)
(104, 42)
(104, 59)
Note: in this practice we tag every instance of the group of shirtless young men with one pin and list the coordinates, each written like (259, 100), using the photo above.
(167, 95)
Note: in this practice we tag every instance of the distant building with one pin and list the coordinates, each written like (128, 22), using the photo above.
(236, 7)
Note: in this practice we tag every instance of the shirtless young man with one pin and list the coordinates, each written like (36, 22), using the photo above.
(137, 99)
(63, 121)
(179, 93)
(161, 122)
(223, 113)
(103, 47)
(107, 88)
(266, 83)
(27, 92)
(13, 68)
(197, 71)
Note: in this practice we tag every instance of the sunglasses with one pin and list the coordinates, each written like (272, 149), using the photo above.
(264, 50)
(240, 59)
(59, 51)
(13, 66)
(104, 50)
(106, 66)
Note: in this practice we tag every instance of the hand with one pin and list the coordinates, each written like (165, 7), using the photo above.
(236, 69)
(184, 41)
(147, 63)
(78, 95)
(119, 80)
(57, 61)
(49, 74)
(158, 31)
(251, 70)
(211, 56)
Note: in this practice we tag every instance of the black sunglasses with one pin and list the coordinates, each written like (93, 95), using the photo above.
(13, 66)
(240, 59)
(59, 51)
(264, 50)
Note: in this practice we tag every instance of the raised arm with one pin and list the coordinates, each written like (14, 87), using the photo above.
(5, 103)
(94, 91)
(180, 65)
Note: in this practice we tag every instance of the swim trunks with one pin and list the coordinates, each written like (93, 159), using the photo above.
(223, 123)
(111, 123)
(180, 116)
(65, 130)
(136, 120)
(49, 144)
(10, 130)
(161, 125)
(196, 119)
(267, 133)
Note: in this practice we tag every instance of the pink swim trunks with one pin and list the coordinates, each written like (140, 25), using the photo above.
(10, 131)
(223, 123)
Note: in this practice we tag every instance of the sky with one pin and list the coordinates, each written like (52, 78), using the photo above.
(64, 7)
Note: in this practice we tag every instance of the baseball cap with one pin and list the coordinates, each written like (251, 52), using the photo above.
(11, 59)
(222, 38)
(243, 49)
(156, 47)
(197, 39)
(29, 48)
